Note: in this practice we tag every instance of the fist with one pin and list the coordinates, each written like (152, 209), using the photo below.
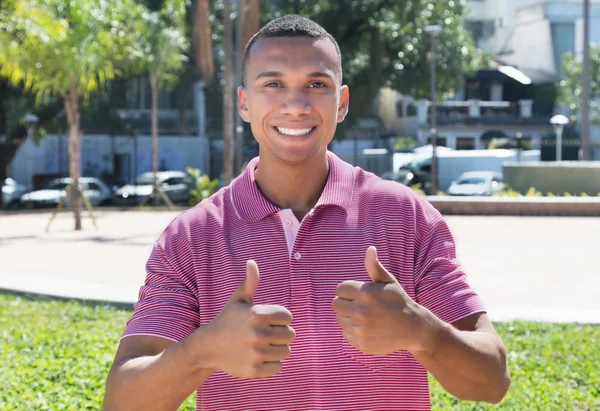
(251, 340)
(378, 317)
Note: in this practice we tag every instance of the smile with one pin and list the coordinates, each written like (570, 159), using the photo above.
(294, 131)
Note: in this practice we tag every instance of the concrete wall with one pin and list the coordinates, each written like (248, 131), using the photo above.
(573, 177)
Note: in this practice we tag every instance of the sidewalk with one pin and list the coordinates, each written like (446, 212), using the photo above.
(534, 268)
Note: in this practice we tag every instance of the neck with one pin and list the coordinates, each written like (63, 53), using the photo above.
(294, 186)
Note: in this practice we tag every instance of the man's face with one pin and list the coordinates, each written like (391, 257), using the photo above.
(293, 97)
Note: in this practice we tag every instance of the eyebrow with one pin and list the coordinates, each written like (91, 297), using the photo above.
(314, 74)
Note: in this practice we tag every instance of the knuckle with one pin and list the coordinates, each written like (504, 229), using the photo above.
(258, 336)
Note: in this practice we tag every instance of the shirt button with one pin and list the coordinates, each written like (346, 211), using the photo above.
(297, 256)
(288, 223)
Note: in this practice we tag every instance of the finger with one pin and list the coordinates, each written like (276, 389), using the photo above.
(376, 270)
(275, 353)
(349, 290)
(281, 335)
(272, 314)
(245, 292)
(342, 306)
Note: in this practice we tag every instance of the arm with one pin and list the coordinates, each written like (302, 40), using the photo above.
(468, 359)
(153, 373)
(244, 341)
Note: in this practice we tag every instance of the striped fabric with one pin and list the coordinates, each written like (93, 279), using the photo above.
(199, 260)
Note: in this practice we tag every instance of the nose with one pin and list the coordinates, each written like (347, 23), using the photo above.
(296, 103)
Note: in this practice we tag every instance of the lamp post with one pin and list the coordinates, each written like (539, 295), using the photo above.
(558, 123)
(31, 121)
(585, 80)
(433, 32)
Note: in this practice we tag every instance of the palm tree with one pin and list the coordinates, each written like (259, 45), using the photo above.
(68, 51)
(164, 44)
(248, 13)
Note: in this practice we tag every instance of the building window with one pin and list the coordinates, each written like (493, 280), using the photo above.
(465, 143)
(441, 141)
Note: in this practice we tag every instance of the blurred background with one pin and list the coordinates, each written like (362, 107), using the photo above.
(487, 108)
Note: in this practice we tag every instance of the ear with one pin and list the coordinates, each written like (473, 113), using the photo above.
(243, 104)
(344, 103)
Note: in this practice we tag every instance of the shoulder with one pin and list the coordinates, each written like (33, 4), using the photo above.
(202, 220)
(378, 192)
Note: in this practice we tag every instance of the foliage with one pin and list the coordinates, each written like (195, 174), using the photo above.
(163, 42)
(405, 143)
(53, 47)
(56, 355)
(205, 187)
(532, 192)
(570, 90)
(553, 367)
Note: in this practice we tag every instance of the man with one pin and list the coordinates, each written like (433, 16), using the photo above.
(366, 267)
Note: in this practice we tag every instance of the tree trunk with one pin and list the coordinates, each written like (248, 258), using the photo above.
(238, 127)
(154, 90)
(73, 119)
(227, 94)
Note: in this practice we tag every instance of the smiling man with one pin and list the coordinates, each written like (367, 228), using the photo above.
(359, 292)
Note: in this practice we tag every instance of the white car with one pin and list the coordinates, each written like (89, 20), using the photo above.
(175, 184)
(477, 183)
(11, 193)
(95, 190)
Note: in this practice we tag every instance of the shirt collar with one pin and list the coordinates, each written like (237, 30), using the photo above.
(251, 205)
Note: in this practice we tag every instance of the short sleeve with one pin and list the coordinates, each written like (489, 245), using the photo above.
(440, 282)
(167, 306)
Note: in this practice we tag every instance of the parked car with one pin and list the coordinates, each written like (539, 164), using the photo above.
(175, 184)
(94, 188)
(11, 193)
(477, 183)
(412, 174)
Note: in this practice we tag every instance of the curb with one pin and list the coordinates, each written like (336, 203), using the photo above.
(52, 288)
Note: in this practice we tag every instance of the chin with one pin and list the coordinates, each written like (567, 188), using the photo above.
(294, 155)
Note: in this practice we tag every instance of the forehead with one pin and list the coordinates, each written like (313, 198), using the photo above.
(293, 54)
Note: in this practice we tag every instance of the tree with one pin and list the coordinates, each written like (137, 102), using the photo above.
(162, 56)
(67, 50)
(570, 89)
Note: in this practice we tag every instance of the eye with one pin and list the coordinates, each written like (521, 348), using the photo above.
(317, 84)
(272, 84)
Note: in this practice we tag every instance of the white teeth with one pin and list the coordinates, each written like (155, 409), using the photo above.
(294, 132)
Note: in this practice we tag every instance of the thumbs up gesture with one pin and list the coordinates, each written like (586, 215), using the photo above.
(250, 340)
(378, 317)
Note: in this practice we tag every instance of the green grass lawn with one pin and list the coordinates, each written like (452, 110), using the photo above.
(56, 355)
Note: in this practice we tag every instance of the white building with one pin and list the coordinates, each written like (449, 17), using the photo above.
(532, 35)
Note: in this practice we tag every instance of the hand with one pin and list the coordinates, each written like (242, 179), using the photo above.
(250, 341)
(379, 318)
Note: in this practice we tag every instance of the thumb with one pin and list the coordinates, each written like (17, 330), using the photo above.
(245, 292)
(376, 270)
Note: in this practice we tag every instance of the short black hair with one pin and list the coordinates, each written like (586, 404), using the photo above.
(290, 25)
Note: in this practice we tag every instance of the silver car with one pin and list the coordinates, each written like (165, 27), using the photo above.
(11, 193)
(175, 184)
(53, 192)
(477, 183)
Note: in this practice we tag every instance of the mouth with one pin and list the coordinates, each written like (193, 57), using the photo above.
(294, 132)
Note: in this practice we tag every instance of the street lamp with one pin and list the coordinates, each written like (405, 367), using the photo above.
(31, 122)
(558, 123)
(433, 32)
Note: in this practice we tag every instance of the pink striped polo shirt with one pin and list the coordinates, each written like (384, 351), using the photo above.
(199, 261)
